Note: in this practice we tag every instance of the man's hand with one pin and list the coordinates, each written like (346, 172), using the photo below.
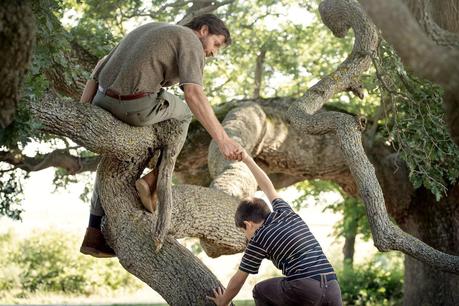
(231, 149)
(219, 298)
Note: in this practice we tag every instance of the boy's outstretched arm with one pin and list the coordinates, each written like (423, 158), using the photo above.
(224, 297)
(262, 179)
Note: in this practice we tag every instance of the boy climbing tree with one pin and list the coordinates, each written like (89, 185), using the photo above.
(284, 238)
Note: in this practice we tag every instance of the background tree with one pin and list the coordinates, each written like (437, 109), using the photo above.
(286, 132)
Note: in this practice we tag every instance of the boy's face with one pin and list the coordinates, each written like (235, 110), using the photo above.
(250, 228)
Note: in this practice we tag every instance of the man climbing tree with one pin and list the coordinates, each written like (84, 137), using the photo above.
(130, 81)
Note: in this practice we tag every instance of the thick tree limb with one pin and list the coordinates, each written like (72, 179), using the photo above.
(423, 12)
(69, 118)
(420, 54)
(245, 124)
(17, 35)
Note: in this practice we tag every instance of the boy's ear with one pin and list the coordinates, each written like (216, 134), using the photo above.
(247, 223)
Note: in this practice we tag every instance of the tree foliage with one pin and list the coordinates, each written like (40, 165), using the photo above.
(415, 124)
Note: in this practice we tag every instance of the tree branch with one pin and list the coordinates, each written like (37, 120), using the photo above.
(339, 17)
(347, 129)
(58, 158)
(97, 130)
(201, 8)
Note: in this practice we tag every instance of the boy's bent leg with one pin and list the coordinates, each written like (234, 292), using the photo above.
(269, 292)
(333, 294)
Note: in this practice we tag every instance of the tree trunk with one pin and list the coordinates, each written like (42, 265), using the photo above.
(437, 224)
(17, 34)
(348, 251)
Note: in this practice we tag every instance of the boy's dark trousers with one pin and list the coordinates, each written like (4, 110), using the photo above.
(303, 291)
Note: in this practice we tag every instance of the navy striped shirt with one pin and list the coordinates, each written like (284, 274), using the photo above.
(285, 239)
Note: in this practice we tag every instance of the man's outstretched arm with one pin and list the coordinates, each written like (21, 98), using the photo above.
(200, 107)
(262, 178)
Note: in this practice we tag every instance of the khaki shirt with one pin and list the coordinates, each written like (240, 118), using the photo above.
(152, 56)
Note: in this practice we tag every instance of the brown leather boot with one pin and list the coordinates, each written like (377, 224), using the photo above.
(94, 244)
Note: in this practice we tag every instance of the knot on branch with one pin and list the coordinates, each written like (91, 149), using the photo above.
(356, 89)
(362, 122)
(334, 16)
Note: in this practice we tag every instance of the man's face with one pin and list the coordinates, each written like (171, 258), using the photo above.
(210, 42)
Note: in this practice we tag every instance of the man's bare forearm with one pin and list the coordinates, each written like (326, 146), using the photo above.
(201, 108)
(89, 91)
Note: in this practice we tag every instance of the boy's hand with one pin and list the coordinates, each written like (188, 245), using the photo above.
(244, 155)
(219, 297)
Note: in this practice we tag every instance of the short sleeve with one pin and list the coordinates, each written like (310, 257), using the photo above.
(190, 60)
(101, 64)
(279, 204)
(252, 258)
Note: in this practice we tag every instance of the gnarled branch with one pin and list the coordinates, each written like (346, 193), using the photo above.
(386, 235)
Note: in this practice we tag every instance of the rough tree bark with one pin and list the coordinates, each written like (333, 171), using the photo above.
(129, 229)
(436, 223)
(17, 34)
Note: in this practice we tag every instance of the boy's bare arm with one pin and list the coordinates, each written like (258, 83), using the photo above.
(262, 179)
(224, 297)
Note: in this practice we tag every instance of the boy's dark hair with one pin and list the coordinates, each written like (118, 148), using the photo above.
(215, 24)
(251, 209)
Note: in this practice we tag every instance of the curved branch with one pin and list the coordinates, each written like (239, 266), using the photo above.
(340, 16)
(386, 235)
(347, 129)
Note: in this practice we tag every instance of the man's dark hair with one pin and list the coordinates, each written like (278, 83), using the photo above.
(216, 26)
(251, 209)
